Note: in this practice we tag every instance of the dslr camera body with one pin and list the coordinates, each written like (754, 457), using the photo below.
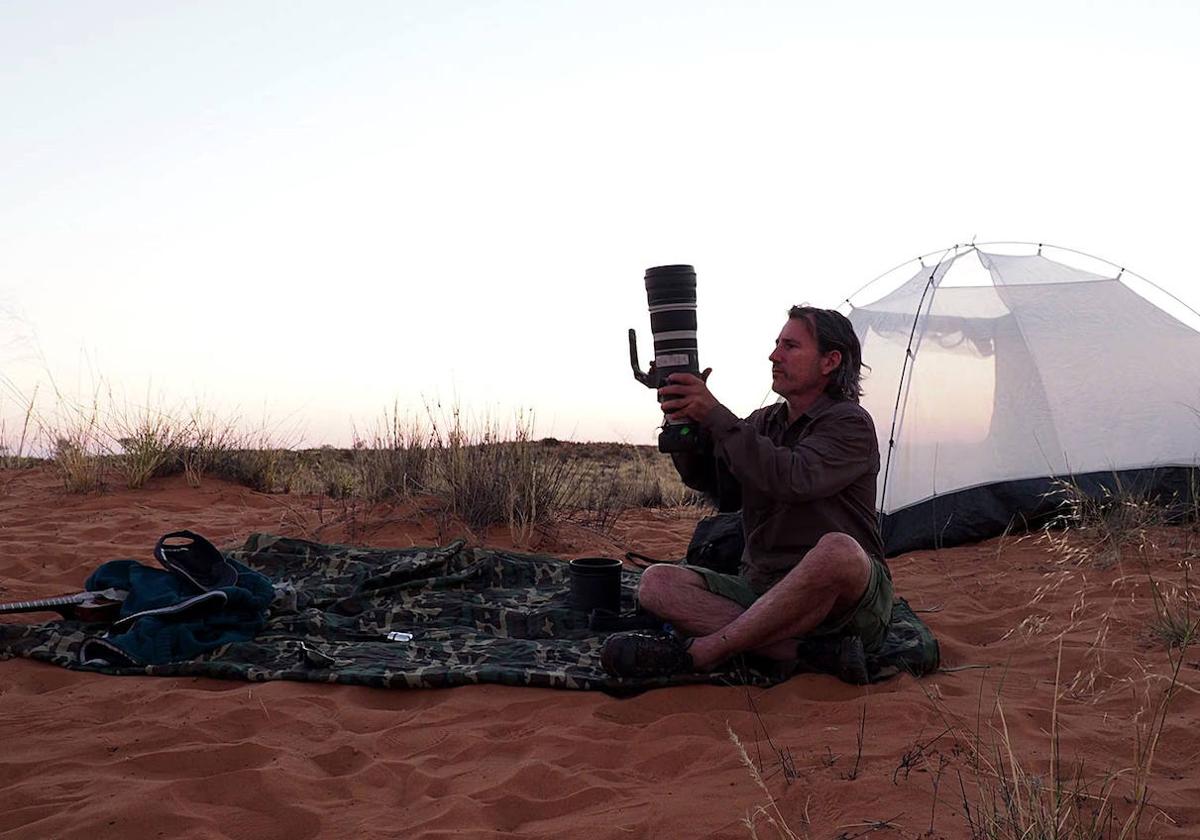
(671, 295)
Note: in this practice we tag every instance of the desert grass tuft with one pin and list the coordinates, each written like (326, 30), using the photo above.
(79, 445)
(339, 479)
(262, 458)
(1012, 800)
(1100, 529)
(13, 456)
(621, 477)
(768, 813)
(259, 466)
(1176, 620)
(149, 440)
(206, 439)
(394, 460)
(625, 482)
(490, 475)
(482, 472)
(1015, 801)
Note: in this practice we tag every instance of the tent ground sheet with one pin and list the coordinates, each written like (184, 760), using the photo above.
(418, 618)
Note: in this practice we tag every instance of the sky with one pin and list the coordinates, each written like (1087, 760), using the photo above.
(303, 213)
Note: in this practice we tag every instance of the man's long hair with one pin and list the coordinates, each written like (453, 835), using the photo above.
(834, 331)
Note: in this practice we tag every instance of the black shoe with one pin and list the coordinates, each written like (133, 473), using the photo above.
(842, 656)
(852, 661)
(641, 654)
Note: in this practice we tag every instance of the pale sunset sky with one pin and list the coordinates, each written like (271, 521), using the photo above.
(308, 211)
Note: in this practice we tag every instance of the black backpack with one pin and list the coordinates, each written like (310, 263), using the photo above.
(717, 543)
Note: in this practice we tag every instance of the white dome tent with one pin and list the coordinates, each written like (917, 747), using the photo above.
(994, 375)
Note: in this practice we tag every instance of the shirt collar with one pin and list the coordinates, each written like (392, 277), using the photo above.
(819, 406)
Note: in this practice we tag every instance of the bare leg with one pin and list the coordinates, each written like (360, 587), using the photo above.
(828, 581)
(678, 595)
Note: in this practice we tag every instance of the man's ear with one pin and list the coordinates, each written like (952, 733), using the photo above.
(830, 362)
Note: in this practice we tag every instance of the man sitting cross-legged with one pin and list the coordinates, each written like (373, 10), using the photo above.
(806, 469)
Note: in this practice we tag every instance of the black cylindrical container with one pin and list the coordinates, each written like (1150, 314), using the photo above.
(595, 584)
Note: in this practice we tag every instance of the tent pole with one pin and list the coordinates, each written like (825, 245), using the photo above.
(906, 371)
(1039, 246)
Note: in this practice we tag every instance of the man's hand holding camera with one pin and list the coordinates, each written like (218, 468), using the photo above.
(686, 397)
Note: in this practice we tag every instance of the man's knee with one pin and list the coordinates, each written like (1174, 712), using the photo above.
(838, 559)
(841, 545)
(659, 580)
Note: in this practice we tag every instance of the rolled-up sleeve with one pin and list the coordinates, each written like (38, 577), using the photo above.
(839, 449)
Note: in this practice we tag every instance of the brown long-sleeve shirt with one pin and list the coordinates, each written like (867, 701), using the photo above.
(799, 481)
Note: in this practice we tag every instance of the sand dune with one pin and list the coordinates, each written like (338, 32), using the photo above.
(92, 756)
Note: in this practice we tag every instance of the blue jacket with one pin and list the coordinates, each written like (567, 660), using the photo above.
(166, 618)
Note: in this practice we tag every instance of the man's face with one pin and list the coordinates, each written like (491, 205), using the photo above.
(798, 367)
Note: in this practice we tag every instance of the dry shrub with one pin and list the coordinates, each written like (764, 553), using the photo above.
(487, 472)
(340, 479)
(616, 478)
(259, 469)
(257, 460)
(205, 442)
(296, 474)
(393, 461)
(490, 475)
(640, 486)
(13, 455)
(315, 472)
(601, 507)
(1176, 619)
(139, 443)
(79, 447)
(149, 440)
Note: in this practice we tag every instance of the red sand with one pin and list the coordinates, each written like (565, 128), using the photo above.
(85, 755)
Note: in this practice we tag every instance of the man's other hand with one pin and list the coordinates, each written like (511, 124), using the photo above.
(686, 397)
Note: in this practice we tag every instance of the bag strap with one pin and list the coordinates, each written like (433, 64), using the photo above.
(196, 559)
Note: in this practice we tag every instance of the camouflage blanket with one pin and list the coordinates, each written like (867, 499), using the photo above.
(343, 614)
